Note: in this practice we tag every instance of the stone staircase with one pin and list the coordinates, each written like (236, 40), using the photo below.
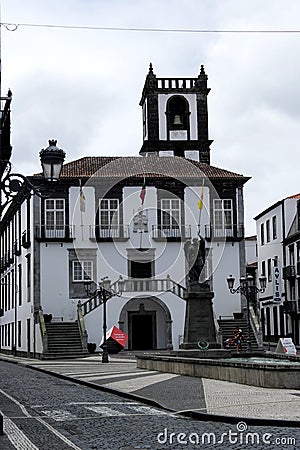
(63, 341)
(227, 327)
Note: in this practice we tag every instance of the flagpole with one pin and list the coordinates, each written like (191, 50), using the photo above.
(200, 206)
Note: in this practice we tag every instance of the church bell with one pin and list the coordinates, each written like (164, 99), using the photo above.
(177, 120)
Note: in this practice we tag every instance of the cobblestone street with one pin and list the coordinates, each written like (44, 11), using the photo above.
(41, 411)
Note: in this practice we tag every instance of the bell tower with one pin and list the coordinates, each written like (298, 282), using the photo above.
(175, 118)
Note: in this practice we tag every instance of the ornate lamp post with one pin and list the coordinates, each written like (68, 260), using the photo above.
(247, 288)
(52, 159)
(104, 293)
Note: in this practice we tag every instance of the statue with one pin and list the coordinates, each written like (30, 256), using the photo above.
(195, 255)
(140, 222)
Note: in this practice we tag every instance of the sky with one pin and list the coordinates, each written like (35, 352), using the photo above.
(83, 86)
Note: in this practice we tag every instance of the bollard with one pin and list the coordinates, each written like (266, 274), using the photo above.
(1, 425)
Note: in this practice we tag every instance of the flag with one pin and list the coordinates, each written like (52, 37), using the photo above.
(143, 191)
(81, 197)
(200, 201)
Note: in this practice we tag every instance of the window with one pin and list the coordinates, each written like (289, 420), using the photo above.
(55, 218)
(263, 268)
(82, 270)
(170, 217)
(28, 276)
(269, 269)
(274, 226)
(223, 218)
(109, 217)
(268, 231)
(275, 259)
(262, 234)
(291, 255)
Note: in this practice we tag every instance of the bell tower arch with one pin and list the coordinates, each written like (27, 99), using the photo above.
(175, 116)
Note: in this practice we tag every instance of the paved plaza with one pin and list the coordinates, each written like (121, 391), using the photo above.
(174, 392)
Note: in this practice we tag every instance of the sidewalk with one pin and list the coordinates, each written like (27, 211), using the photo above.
(174, 392)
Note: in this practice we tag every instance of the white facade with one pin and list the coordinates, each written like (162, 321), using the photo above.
(273, 226)
(47, 265)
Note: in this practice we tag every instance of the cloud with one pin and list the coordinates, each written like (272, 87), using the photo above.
(83, 87)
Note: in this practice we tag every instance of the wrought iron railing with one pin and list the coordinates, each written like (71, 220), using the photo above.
(109, 232)
(169, 231)
(55, 232)
(235, 231)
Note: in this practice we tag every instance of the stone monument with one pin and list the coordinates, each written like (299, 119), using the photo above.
(199, 328)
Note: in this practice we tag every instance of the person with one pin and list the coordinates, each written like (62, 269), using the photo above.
(238, 338)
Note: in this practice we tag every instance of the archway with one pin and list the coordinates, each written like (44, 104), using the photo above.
(147, 322)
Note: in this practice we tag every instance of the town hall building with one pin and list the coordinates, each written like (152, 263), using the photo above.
(127, 220)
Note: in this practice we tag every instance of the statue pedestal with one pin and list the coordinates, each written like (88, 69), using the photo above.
(199, 318)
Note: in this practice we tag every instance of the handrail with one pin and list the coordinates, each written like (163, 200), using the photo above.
(43, 329)
(42, 322)
(255, 325)
(82, 328)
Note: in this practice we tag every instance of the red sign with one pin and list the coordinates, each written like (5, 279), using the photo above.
(116, 340)
(118, 336)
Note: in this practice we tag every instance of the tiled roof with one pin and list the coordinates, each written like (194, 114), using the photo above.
(154, 166)
(293, 196)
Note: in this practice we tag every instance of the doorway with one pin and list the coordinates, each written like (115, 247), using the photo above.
(142, 330)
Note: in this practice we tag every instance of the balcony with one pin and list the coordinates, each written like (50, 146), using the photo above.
(230, 233)
(55, 233)
(288, 272)
(109, 233)
(134, 285)
(171, 233)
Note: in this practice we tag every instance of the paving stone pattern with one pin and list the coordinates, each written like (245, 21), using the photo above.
(86, 418)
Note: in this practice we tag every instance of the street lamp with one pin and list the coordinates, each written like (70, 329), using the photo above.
(247, 288)
(52, 159)
(104, 292)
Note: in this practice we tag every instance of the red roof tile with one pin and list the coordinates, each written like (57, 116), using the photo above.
(153, 166)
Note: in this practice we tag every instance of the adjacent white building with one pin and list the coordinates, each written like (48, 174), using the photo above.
(277, 256)
(129, 221)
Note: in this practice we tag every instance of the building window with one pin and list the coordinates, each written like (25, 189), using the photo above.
(28, 276)
(170, 213)
(268, 236)
(291, 255)
(275, 259)
(269, 269)
(109, 218)
(274, 227)
(19, 333)
(82, 270)
(55, 218)
(262, 234)
(223, 225)
(263, 268)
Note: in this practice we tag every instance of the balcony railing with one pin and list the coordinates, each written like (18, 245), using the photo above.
(288, 272)
(151, 285)
(234, 232)
(110, 232)
(55, 232)
(171, 232)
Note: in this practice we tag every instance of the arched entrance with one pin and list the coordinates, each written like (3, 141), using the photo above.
(147, 322)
